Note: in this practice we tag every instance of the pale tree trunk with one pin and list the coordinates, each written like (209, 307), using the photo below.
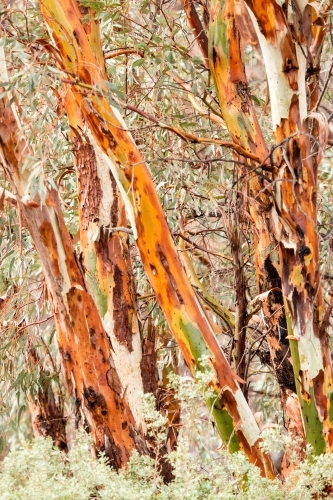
(108, 269)
(227, 67)
(106, 259)
(231, 87)
(188, 323)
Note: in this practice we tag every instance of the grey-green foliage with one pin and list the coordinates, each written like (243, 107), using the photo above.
(38, 471)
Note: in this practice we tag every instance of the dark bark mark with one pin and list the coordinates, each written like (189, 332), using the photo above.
(90, 191)
(149, 361)
(320, 397)
(123, 328)
(114, 381)
(47, 413)
(94, 400)
(215, 56)
(115, 203)
(275, 316)
(164, 262)
(49, 241)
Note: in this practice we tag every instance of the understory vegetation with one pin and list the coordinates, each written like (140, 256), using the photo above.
(39, 470)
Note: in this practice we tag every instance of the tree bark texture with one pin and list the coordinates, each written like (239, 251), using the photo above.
(227, 67)
(77, 43)
(85, 349)
(47, 410)
(294, 213)
(106, 259)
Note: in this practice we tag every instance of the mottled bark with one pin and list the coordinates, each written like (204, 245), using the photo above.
(187, 320)
(226, 62)
(294, 214)
(106, 257)
(46, 409)
(110, 277)
(84, 347)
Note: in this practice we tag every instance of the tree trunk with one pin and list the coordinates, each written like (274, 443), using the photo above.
(187, 320)
(106, 259)
(226, 63)
(294, 215)
(85, 350)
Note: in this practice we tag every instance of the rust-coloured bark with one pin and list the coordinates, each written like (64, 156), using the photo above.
(106, 258)
(228, 70)
(47, 411)
(72, 35)
(109, 274)
(83, 344)
(295, 217)
(197, 28)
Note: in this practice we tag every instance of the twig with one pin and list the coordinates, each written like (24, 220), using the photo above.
(33, 324)
(199, 247)
(120, 52)
(120, 229)
(325, 85)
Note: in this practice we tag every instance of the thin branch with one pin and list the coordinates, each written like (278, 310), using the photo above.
(120, 229)
(202, 248)
(7, 196)
(325, 85)
(194, 138)
(214, 116)
(181, 133)
(121, 52)
(33, 324)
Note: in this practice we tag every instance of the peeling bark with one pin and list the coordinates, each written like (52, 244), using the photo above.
(47, 412)
(106, 258)
(226, 62)
(295, 216)
(182, 310)
(84, 347)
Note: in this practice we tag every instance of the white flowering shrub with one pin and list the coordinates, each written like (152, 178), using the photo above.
(38, 471)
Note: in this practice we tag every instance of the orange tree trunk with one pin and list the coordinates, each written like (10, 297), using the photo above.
(104, 245)
(227, 67)
(294, 214)
(85, 349)
(107, 261)
(78, 43)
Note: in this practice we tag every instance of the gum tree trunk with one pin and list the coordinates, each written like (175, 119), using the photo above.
(294, 214)
(228, 71)
(78, 43)
(85, 349)
(106, 259)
